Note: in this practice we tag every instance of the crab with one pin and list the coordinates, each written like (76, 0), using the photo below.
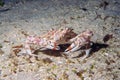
(51, 40)
(81, 40)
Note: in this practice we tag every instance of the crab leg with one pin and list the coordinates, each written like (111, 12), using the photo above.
(43, 48)
(87, 53)
(30, 40)
(27, 49)
(56, 47)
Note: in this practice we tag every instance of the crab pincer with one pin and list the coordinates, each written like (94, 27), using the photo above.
(79, 41)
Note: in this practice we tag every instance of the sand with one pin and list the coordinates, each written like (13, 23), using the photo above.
(35, 17)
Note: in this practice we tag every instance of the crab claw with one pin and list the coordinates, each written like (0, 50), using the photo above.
(70, 47)
(81, 40)
(73, 47)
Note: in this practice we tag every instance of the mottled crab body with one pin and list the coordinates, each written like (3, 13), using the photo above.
(79, 41)
(63, 35)
(51, 40)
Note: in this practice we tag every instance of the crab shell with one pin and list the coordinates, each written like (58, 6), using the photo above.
(63, 35)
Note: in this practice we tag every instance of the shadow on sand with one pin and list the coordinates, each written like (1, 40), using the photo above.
(59, 53)
(94, 48)
(56, 53)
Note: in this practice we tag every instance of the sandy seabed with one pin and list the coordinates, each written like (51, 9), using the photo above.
(35, 17)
